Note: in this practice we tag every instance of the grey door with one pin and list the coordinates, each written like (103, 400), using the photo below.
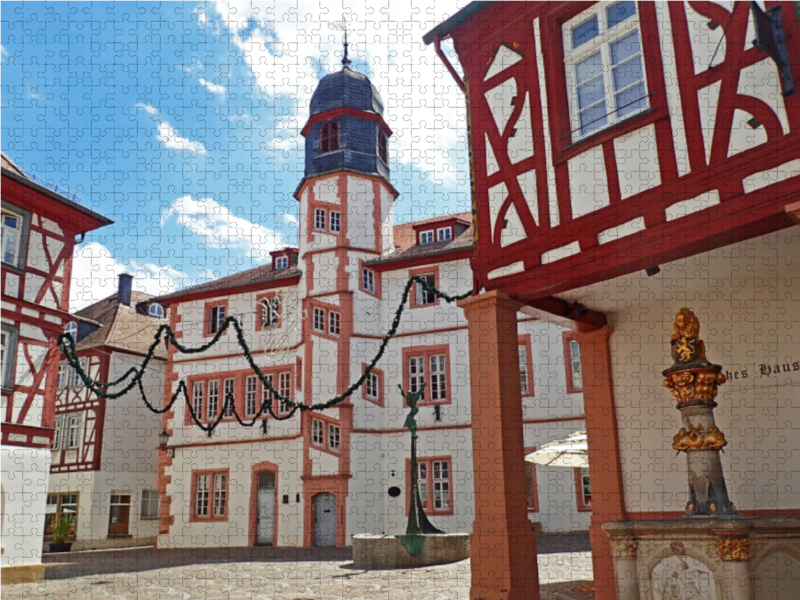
(325, 520)
(265, 531)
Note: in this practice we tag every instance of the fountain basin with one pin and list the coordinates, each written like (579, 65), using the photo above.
(387, 552)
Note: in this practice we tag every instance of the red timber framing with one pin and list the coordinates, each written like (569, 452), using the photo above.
(71, 400)
(38, 295)
(743, 210)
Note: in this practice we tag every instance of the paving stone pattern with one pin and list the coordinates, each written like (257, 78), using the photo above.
(281, 574)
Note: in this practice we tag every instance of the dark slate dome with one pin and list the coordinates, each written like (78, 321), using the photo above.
(346, 88)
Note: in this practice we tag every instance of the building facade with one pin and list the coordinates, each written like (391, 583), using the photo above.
(631, 159)
(104, 468)
(314, 318)
(40, 224)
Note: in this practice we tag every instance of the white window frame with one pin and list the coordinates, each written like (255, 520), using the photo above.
(335, 221)
(220, 494)
(440, 478)
(416, 372)
(9, 355)
(19, 236)
(281, 263)
(575, 365)
(372, 386)
(438, 377)
(444, 234)
(522, 351)
(202, 492)
(198, 399)
(368, 279)
(151, 505)
(318, 322)
(72, 329)
(270, 312)
(156, 310)
(73, 431)
(285, 390)
(319, 219)
(424, 297)
(251, 396)
(216, 316)
(602, 43)
(426, 237)
(317, 432)
(76, 381)
(334, 323)
(228, 387)
(59, 433)
(213, 396)
(334, 437)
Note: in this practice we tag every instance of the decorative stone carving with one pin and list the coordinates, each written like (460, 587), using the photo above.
(734, 549)
(682, 578)
(624, 548)
(697, 439)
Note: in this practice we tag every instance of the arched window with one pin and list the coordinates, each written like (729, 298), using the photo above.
(382, 150)
(270, 312)
(72, 329)
(329, 137)
(156, 310)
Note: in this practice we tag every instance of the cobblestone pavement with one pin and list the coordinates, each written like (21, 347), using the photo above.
(281, 574)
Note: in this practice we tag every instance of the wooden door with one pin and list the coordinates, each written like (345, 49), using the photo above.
(119, 514)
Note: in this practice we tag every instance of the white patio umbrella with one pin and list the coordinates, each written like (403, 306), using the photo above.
(570, 452)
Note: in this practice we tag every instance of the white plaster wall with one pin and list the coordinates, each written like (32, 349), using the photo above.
(240, 460)
(749, 315)
(23, 476)
(360, 212)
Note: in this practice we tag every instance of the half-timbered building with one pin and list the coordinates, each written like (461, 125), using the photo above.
(630, 159)
(103, 474)
(40, 225)
(314, 318)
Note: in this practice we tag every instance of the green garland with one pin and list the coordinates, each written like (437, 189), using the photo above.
(67, 345)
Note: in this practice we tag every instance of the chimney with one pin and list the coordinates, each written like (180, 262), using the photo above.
(124, 289)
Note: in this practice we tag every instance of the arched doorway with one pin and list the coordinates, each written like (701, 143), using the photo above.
(265, 515)
(325, 519)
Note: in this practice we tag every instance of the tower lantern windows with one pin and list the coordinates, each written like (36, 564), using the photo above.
(382, 147)
(329, 137)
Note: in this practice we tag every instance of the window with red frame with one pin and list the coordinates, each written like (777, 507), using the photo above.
(210, 500)
(318, 319)
(251, 396)
(319, 219)
(213, 400)
(228, 397)
(436, 364)
(583, 489)
(334, 437)
(266, 395)
(368, 280)
(198, 399)
(281, 263)
(216, 318)
(317, 432)
(285, 390)
(336, 221)
(372, 386)
(425, 296)
(329, 137)
(334, 322)
(572, 363)
(270, 312)
(435, 481)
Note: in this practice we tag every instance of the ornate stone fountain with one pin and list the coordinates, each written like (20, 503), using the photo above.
(712, 553)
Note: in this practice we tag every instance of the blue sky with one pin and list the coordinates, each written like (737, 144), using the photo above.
(181, 121)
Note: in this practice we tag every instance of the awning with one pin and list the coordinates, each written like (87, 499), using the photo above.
(570, 452)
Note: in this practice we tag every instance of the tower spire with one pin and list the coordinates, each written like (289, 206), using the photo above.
(345, 60)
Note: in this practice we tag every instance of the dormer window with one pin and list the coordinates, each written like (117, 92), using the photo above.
(444, 234)
(426, 237)
(329, 137)
(382, 148)
(72, 330)
(156, 310)
(281, 263)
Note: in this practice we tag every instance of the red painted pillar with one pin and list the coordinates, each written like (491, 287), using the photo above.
(605, 471)
(502, 545)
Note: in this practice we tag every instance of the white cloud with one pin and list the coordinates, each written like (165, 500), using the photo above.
(3, 53)
(201, 15)
(291, 219)
(150, 110)
(219, 228)
(171, 140)
(212, 87)
(95, 272)
(417, 90)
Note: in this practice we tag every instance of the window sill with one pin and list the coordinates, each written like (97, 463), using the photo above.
(13, 268)
(149, 518)
(602, 135)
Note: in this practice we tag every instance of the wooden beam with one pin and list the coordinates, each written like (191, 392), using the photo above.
(585, 318)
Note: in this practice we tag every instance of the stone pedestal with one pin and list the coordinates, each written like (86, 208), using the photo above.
(386, 551)
(707, 559)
